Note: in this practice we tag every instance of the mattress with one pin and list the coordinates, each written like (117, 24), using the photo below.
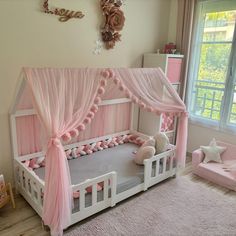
(119, 159)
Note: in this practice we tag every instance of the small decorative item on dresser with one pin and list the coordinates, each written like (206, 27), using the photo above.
(6, 193)
(170, 48)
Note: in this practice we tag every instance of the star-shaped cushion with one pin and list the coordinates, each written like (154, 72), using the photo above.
(212, 152)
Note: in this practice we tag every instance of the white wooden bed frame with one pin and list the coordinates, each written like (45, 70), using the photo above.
(31, 187)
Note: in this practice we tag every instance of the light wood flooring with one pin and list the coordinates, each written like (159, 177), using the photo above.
(23, 221)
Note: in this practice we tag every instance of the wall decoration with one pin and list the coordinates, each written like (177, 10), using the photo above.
(98, 49)
(110, 30)
(114, 22)
(64, 14)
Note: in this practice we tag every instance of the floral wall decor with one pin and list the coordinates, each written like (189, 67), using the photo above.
(114, 22)
(64, 14)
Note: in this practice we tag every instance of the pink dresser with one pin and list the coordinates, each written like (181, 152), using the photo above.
(174, 69)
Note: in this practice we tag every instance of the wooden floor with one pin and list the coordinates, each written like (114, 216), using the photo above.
(23, 221)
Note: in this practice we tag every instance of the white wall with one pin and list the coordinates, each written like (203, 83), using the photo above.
(173, 21)
(199, 135)
(32, 38)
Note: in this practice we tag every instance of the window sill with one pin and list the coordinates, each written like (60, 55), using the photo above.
(212, 126)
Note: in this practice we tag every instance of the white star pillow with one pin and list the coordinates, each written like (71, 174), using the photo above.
(212, 152)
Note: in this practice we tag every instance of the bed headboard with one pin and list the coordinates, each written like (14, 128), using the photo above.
(118, 115)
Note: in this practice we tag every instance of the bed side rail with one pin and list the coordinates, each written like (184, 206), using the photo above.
(159, 167)
(29, 185)
(108, 193)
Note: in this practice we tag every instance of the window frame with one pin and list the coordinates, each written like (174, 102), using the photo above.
(204, 7)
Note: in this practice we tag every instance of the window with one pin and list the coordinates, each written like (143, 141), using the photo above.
(212, 87)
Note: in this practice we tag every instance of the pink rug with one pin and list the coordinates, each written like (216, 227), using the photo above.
(175, 207)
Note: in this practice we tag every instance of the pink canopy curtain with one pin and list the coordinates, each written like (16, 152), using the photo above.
(150, 89)
(109, 119)
(65, 100)
(28, 135)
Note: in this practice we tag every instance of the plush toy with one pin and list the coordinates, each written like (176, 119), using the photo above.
(162, 142)
(150, 142)
(139, 141)
(132, 138)
(144, 153)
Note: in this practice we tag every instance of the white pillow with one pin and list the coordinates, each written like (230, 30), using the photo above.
(212, 152)
(162, 142)
(144, 153)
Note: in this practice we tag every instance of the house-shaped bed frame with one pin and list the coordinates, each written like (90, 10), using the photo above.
(32, 188)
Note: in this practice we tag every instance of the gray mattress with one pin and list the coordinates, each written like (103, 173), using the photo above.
(119, 159)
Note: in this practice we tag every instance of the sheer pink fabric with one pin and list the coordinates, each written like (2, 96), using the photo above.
(65, 98)
(28, 135)
(109, 119)
(62, 99)
(150, 88)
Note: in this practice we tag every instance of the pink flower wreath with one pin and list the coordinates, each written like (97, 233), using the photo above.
(114, 22)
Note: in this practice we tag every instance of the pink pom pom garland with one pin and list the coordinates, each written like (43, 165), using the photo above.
(81, 127)
(111, 73)
(103, 82)
(101, 90)
(94, 108)
(116, 81)
(149, 109)
(134, 99)
(105, 73)
(97, 100)
(87, 120)
(66, 137)
(91, 114)
(74, 133)
(122, 87)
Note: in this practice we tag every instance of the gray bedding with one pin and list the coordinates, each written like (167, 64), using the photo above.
(119, 159)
